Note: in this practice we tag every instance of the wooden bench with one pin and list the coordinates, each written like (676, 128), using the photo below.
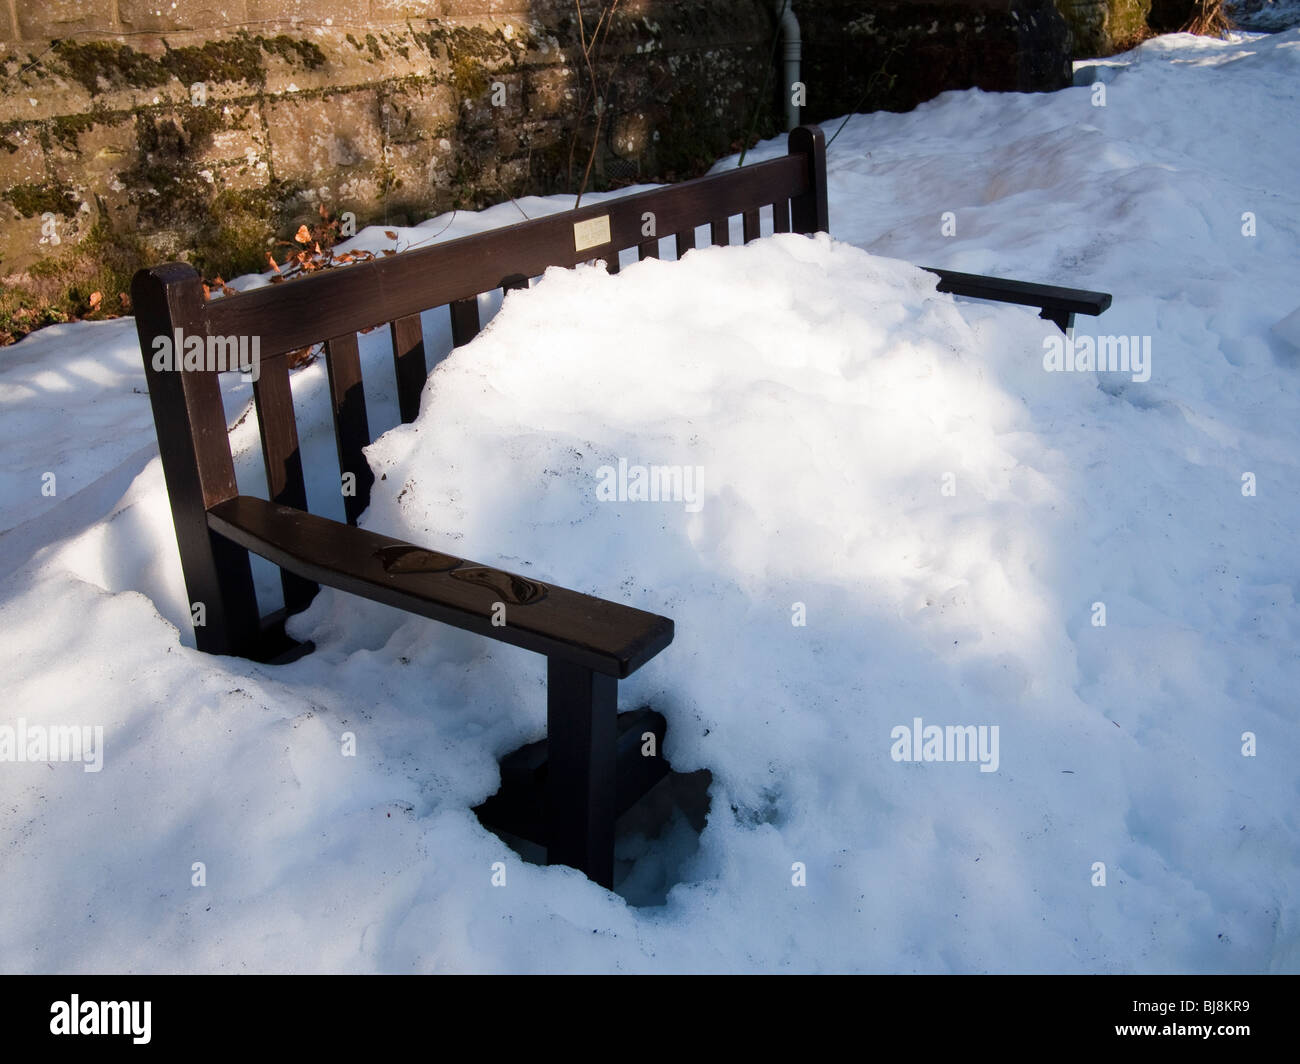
(565, 794)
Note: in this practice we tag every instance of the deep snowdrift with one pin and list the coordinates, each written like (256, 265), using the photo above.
(825, 394)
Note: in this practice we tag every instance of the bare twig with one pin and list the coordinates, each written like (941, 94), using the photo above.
(1210, 20)
(605, 21)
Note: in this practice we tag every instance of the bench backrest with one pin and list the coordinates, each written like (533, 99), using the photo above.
(332, 306)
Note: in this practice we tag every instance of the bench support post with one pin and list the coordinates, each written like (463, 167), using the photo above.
(196, 461)
(581, 726)
(808, 212)
(1062, 319)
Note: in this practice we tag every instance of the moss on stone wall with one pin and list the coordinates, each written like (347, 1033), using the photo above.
(97, 65)
(100, 66)
(1104, 27)
(294, 49)
(468, 77)
(65, 129)
(239, 229)
(164, 181)
(63, 287)
(31, 201)
(1126, 22)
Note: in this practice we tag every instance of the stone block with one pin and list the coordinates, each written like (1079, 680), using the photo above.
(164, 16)
(474, 9)
(62, 18)
(325, 137)
(22, 157)
(399, 11)
(93, 155)
(322, 12)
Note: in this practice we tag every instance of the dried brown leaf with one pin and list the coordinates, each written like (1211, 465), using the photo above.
(304, 356)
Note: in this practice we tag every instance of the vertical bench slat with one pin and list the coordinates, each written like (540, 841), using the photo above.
(648, 250)
(279, 431)
(749, 222)
(611, 262)
(781, 217)
(408, 360)
(351, 426)
(194, 445)
(685, 242)
(514, 282)
(282, 460)
(464, 321)
(720, 231)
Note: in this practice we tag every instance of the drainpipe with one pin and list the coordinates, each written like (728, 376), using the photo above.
(793, 54)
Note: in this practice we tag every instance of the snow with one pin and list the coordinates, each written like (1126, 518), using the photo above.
(825, 392)
(1267, 16)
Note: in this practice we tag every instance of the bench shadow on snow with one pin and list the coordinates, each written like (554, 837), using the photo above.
(654, 840)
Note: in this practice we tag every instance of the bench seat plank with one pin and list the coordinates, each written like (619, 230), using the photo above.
(604, 636)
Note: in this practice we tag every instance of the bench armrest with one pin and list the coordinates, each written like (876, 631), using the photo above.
(604, 636)
(1058, 305)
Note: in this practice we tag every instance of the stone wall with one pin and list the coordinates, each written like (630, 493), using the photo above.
(895, 54)
(134, 131)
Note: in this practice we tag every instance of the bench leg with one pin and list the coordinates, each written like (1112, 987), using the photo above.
(581, 725)
(1062, 319)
